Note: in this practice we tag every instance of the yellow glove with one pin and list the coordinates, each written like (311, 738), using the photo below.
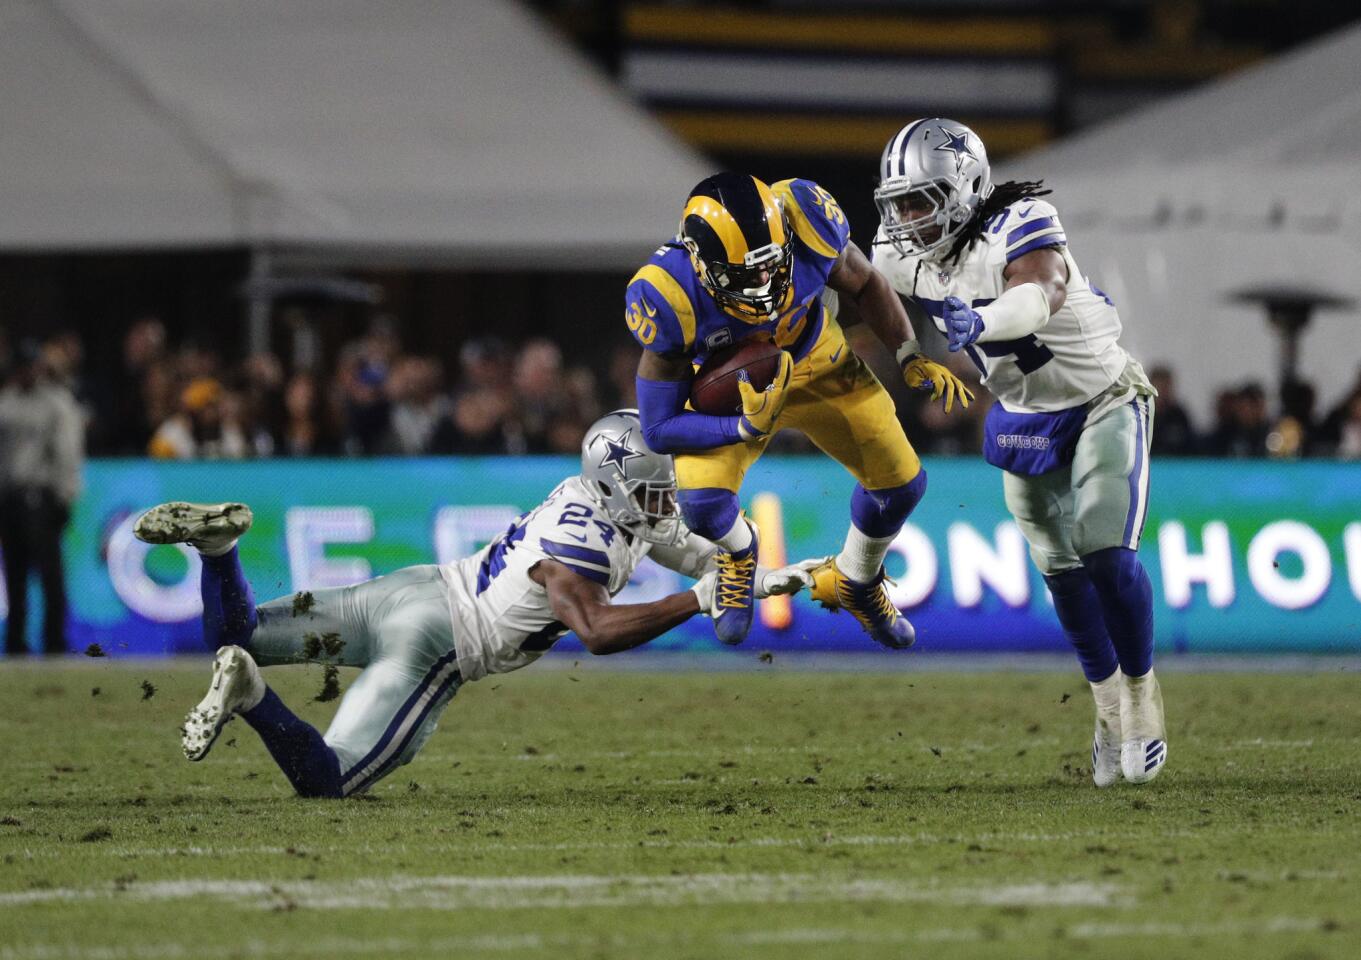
(922, 373)
(761, 408)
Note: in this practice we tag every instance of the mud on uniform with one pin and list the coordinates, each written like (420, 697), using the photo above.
(421, 632)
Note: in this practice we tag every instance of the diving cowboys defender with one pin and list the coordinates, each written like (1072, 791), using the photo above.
(992, 268)
(422, 632)
(753, 261)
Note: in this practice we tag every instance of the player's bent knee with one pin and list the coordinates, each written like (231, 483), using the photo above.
(1112, 567)
(1091, 537)
(709, 512)
(880, 513)
(1053, 564)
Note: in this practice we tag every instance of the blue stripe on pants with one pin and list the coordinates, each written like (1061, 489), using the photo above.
(395, 758)
(395, 727)
(1135, 476)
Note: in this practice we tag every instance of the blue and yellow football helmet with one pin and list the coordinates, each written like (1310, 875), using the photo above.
(740, 244)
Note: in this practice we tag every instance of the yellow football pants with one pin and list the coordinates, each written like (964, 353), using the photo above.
(838, 403)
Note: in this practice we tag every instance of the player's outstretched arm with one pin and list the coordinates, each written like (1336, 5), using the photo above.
(1037, 286)
(584, 607)
(663, 388)
(883, 310)
(1046, 269)
(694, 557)
(854, 276)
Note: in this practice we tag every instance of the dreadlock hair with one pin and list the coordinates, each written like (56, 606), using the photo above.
(1003, 195)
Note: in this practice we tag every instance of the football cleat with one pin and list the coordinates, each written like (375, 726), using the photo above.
(868, 602)
(210, 528)
(735, 594)
(237, 685)
(1144, 748)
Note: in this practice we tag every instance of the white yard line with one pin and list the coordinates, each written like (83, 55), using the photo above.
(827, 840)
(494, 943)
(576, 891)
(1259, 742)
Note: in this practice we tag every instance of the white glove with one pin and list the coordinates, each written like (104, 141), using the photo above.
(786, 580)
(706, 591)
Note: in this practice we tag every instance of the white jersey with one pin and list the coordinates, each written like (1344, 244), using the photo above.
(1071, 359)
(501, 618)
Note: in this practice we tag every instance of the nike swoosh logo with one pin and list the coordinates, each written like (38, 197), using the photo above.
(575, 536)
(836, 356)
(648, 308)
(1026, 212)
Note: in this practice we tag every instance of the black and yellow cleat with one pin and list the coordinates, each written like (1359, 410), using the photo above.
(868, 602)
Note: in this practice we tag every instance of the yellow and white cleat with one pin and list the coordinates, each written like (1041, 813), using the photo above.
(868, 602)
(211, 528)
(1143, 750)
(237, 685)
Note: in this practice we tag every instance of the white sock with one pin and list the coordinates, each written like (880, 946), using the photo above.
(1107, 695)
(862, 556)
(738, 537)
(1143, 709)
(216, 549)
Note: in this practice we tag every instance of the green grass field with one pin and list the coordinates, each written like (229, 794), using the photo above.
(586, 812)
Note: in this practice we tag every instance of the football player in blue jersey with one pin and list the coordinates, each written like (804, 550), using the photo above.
(753, 261)
(992, 268)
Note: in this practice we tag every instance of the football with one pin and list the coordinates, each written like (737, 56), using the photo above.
(714, 389)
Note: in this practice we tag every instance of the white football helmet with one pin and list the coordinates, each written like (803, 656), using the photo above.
(634, 485)
(933, 177)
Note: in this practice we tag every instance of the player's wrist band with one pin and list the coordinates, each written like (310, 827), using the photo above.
(907, 350)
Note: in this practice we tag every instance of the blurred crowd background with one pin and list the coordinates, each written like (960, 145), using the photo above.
(379, 397)
(178, 350)
(224, 236)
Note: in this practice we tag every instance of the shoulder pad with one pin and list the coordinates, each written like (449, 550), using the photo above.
(816, 217)
(658, 311)
(1026, 225)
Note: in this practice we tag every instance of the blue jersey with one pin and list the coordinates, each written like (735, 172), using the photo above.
(669, 311)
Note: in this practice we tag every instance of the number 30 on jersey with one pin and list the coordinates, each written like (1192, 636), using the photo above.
(639, 316)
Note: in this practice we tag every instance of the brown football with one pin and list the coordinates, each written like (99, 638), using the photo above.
(714, 389)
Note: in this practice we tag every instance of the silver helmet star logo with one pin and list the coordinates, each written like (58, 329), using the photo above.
(958, 144)
(618, 452)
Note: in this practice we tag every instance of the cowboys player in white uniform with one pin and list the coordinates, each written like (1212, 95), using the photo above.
(420, 633)
(990, 265)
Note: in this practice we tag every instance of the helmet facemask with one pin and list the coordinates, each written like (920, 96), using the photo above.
(921, 220)
(645, 508)
(753, 290)
(934, 179)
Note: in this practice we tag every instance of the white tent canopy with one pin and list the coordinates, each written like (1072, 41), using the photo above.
(459, 131)
(1254, 181)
